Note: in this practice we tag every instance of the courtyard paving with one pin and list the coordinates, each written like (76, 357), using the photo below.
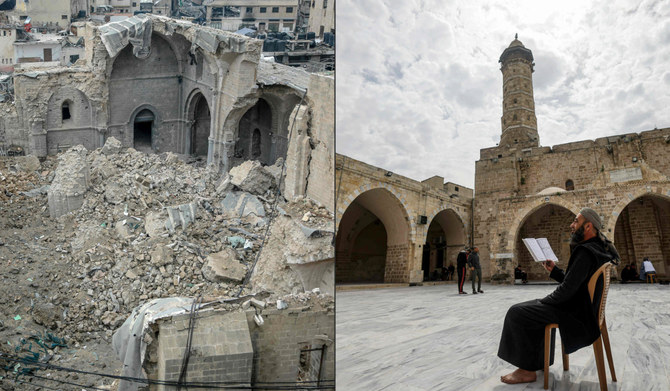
(431, 338)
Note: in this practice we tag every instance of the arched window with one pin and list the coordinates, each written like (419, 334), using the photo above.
(65, 110)
(569, 185)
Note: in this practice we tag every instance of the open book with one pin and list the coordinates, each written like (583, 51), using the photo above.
(540, 249)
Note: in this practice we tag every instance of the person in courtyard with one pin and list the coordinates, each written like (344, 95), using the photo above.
(461, 262)
(450, 271)
(519, 274)
(646, 268)
(626, 274)
(475, 270)
(522, 339)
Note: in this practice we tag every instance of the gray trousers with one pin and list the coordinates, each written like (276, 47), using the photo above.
(478, 273)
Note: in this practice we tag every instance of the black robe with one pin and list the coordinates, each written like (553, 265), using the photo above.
(522, 339)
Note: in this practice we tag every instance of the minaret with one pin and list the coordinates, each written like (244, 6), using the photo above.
(519, 124)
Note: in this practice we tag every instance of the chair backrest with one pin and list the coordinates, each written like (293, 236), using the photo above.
(603, 271)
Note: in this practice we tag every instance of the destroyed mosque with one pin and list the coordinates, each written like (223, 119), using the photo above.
(174, 206)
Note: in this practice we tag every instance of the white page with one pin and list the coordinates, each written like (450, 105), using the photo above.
(534, 249)
(546, 249)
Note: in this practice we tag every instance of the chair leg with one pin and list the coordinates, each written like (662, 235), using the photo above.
(547, 346)
(600, 365)
(608, 349)
(566, 358)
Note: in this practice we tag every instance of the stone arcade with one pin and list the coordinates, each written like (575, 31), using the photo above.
(521, 190)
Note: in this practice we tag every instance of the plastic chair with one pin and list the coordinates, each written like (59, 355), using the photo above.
(651, 278)
(604, 270)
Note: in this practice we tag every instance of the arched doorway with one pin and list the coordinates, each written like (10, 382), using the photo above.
(643, 230)
(254, 137)
(201, 126)
(549, 221)
(143, 131)
(445, 237)
(372, 240)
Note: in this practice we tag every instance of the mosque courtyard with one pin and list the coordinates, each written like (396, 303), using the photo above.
(430, 338)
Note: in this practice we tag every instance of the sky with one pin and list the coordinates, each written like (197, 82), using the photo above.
(419, 87)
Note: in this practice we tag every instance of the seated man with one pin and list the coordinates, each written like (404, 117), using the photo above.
(522, 339)
(648, 268)
(625, 274)
(520, 274)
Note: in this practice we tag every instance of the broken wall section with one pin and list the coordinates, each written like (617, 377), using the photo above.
(311, 153)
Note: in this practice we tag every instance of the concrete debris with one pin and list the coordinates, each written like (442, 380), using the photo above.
(257, 303)
(223, 267)
(252, 177)
(112, 146)
(297, 255)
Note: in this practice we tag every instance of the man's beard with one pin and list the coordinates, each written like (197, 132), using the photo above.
(577, 237)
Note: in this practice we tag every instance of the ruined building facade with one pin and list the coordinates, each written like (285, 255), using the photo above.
(163, 85)
(522, 190)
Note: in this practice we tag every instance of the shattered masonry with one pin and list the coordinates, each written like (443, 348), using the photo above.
(119, 229)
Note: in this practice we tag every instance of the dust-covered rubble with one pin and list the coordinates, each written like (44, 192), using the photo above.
(128, 227)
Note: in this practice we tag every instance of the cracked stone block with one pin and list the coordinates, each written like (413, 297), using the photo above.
(28, 163)
(223, 266)
(70, 182)
(252, 177)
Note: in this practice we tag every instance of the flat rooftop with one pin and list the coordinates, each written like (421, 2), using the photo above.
(431, 338)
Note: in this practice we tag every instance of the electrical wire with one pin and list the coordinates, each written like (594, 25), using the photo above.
(298, 385)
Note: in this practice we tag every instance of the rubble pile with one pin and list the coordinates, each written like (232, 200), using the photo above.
(143, 226)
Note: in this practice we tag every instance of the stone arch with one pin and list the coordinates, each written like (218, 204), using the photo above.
(640, 227)
(444, 237)
(152, 81)
(372, 242)
(549, 220)
(199, 117)
(532, 207)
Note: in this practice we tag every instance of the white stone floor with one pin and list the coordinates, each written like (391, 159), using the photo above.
(431, 338)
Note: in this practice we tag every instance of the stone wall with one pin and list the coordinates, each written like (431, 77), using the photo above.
(221, 349)
(277, 343)
(406, 208)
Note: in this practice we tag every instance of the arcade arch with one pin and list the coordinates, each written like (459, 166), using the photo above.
(445, 237)
(372, 229)
(642, 230)
(549, 221)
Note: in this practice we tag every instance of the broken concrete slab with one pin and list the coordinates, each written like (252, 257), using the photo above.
(237, 204)
(70, 183)
(112, 146)
(223, 267)
(252, 177)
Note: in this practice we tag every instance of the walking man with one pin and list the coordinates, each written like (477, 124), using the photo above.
(461, 262)
(475, 270)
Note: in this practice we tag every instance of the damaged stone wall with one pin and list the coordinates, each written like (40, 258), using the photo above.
(257, 341)
(312, 146)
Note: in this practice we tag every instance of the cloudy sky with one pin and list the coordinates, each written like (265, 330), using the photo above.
(419, 87)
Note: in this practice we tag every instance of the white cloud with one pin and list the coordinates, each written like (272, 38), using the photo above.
(419, 90)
